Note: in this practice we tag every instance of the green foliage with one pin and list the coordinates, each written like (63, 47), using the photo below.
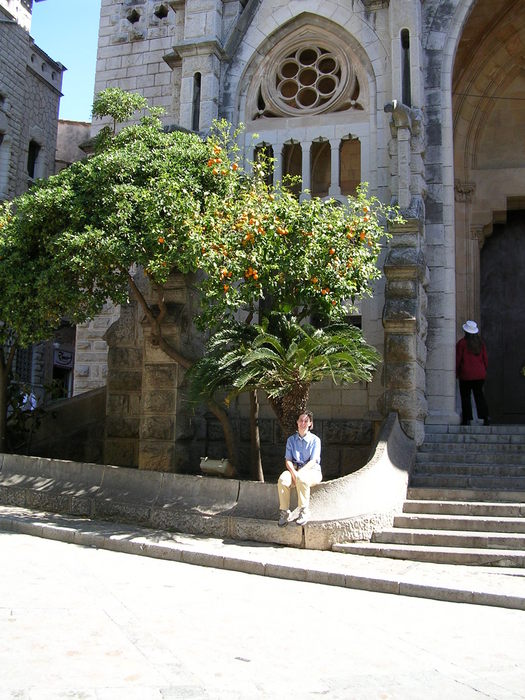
(171, 202)
(282, 358)
(308, 257)
(118, 104)
(68, 245)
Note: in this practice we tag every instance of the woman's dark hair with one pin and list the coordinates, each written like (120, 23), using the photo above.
(474, 343)
(305, 413)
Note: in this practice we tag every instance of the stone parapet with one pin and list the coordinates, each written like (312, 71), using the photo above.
(344, 509)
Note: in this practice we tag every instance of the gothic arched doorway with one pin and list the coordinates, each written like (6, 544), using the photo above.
(489, 170)
(502, 283)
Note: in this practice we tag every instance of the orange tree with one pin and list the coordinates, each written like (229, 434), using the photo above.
(282, 262)
(306, 258)
(172, 202)
(74, 240)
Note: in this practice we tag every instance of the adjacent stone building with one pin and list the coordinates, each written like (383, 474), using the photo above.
(30, 91)
(422, 99)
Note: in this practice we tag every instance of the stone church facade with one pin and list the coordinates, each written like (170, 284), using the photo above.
(422, 99)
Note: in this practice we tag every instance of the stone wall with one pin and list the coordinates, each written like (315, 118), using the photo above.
(30, 84)
(346, 444)
(91, 350)
(71, 134)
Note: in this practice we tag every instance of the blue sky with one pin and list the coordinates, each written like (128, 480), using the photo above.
(67, 31)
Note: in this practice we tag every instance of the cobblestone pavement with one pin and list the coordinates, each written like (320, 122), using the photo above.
(84, 623)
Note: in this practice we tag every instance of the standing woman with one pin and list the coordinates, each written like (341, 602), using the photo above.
(471, 370)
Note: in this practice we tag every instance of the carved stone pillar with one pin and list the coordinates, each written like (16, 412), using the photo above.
(165, 417)
(124, 388)
(407, 277)
(475, 244)
(405, 324)
(467, 253)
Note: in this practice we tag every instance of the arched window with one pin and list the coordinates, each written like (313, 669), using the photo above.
(196, 106)
(263, 153)
(292, 156)
(349, 165)
(406, 90)
(33, 163)
(320, 165)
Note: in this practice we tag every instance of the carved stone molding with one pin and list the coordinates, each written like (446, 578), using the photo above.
(479, 234)
(464, 191)
(372, 5)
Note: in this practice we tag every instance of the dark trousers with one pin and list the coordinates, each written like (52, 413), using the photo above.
(476, 387)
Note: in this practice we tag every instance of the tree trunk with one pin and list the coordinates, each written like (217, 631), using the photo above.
(289, 406)
(256, 469)
(227, 429)
(3, 407)
(5, 370)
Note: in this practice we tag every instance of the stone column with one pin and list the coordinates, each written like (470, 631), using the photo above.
(467, 254)
(277, 162)
(306, 147)
(165, 429)
(475, 244)
(407, 278)
(124, 387)
(405, 324)
(335, 189)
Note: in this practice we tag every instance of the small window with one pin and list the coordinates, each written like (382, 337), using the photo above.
(133, 16)
(349, 166)
(24, 364)
(196, 106)
(32, 158)
(161, 11)
(406, 88)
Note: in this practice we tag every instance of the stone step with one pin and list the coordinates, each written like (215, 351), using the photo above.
(469, 494)
(437, 555)
(453, 446)
(446, 507)
(475, 429)
(479, 523)
(471, 457)
(484, 483)
(447, 538)
(468, 439)
(469, 469)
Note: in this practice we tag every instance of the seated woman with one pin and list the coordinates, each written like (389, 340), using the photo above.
(303, 470)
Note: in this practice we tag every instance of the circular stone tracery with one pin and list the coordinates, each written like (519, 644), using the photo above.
(308, 79)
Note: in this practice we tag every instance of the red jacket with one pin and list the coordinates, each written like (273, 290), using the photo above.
(470, 367)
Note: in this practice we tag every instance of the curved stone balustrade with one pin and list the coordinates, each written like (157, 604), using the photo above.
(345, 509)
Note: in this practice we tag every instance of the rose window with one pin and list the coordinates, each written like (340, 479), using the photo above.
(309, 79)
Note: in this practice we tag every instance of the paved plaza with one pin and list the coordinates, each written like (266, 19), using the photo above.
(86, 623)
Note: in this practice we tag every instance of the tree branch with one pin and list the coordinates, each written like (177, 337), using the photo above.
(155, 323)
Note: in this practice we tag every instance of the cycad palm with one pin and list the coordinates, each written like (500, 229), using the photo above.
(287, 359)
(283, 358)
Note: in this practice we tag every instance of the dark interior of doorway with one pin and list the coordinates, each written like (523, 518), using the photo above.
(502, 284)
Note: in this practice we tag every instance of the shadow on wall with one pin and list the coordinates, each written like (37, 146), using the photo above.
(73, 429)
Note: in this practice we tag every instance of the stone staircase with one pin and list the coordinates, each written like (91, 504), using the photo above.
(465, 502)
